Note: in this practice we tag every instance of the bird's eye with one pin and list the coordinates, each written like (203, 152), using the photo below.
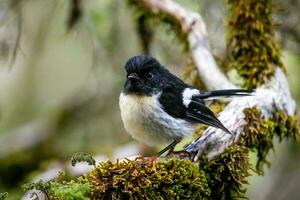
(149, 75)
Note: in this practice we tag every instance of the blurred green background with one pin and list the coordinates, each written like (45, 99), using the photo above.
(59, 86)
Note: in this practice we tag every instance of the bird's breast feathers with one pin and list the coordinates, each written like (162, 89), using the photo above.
(145, 119)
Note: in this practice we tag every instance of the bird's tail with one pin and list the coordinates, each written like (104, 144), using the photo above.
(218, 94)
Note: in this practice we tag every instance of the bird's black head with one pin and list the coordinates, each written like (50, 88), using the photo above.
(145, 76)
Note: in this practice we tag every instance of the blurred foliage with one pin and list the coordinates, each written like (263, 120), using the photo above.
(71, 191)
(3, 195)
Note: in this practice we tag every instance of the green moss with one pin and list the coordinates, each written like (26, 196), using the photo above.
(173, 179)
(251, 45)
(78, 189)
(221, 178)
(227, 173)
(72, 190)
(259, 133)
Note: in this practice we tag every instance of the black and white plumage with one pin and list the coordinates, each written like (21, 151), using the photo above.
(157, 107)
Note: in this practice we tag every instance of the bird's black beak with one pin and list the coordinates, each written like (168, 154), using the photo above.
(133, 76)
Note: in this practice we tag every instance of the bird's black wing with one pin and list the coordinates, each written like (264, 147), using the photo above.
(192, 107)
(171, 100)
(196, 109)
(198, 112)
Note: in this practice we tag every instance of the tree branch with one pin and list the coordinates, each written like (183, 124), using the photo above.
(268, 98)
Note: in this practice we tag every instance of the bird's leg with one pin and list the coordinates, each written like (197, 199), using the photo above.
(181, 153)
(169, 148)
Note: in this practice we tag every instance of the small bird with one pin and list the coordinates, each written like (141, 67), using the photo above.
(158, 108)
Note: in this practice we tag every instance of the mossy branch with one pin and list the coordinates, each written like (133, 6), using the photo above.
(251, 45)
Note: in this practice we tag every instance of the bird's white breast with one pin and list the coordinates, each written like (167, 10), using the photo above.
(147, 122)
